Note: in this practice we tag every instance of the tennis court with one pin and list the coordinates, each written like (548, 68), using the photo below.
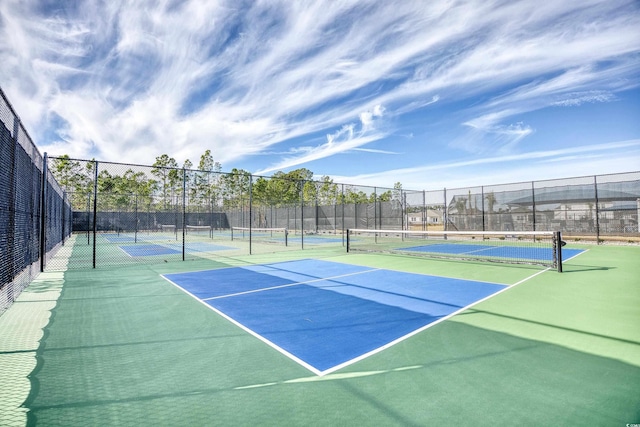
(325, 337)
(326, 315)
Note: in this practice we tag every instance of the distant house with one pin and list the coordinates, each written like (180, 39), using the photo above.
(433, 217)
(576, 209)
(570, 208)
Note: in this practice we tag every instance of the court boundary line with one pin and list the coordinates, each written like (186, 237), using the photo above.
(364, 355)
(576, 255)
(290, 284)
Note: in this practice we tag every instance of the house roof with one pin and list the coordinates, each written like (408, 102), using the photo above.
(627, 191)
(572, 195)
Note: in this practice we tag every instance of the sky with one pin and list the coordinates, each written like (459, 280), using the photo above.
(428, 93)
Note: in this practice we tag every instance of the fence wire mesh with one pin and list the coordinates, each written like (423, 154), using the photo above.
(35, 216)
(134, 213)
(119, 214)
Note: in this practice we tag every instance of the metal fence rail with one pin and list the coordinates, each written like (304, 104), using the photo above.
(35, 217)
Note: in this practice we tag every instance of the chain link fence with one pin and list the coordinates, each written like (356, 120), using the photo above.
(176, 213)
(35, 214)
(602, 208)
(118, 214)
(115, 205)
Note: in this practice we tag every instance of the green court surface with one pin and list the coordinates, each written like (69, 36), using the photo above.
(122, 346)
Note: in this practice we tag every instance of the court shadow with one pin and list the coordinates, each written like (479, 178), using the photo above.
(549, 325)
(573, 268)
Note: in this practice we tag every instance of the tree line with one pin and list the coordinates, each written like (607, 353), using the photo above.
(165, 184)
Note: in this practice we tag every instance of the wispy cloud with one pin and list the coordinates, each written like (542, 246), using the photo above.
(133, 80)
(576, 99)
(350, 137)
(533, 165)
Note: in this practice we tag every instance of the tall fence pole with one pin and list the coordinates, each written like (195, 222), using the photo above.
(184, 211)
(405, 219)
(533, 203)
(302, 217)
(595, 187)
(342, 204)
(135, 230)
(250, 213)
(88, 218)
(95, 210)
(375, 208)
(444, 210)
(13, 207)
(64, 212)
(425, 217)
(482, 206)
(43, 214)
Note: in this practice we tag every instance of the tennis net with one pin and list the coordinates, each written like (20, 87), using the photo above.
(199, 230)
(533, 247)
(167, 228)
(261, 235)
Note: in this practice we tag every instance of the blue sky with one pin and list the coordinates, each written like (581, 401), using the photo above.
(431, 94)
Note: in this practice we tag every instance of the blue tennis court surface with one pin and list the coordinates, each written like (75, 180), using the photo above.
(326, 315)
(151, 249)
(535, 254)
(132, 238)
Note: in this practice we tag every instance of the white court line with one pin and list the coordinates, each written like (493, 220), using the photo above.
(480, 250)
(576, 255)
(290, 284)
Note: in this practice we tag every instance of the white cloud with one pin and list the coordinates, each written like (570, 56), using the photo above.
(576, 99)
(133, 80)
(343, 140)
(614, 157)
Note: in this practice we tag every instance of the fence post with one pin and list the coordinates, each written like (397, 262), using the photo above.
(250, 214)
(95, 209)
(445, 219)
(482, 206)
(405, 213)
(43, 213)
(184, 210)
(425, 217)
(375, 208)
(88, 218)
(13, 202)
(317, 228)
(533, 203)
(64, 199)
(135, 230)
(301, 214)
(342, 204)
(595, 186)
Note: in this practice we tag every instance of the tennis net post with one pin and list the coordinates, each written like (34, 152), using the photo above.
(558, 244)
